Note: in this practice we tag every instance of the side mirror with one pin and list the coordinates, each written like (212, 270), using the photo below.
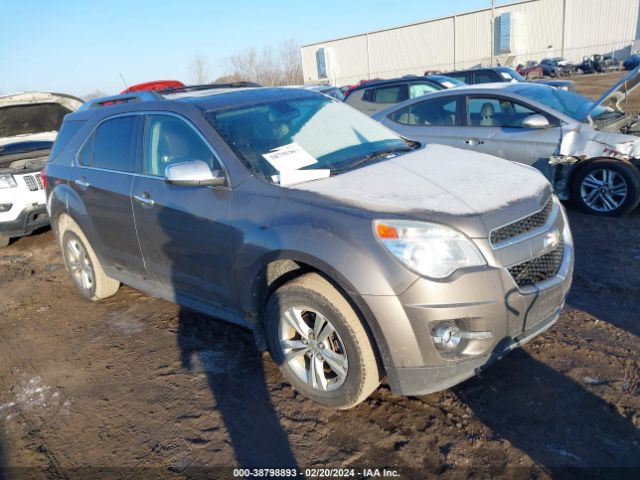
(536, 121)
(195, 173)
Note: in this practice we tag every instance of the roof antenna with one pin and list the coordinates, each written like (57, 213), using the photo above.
(125, 83)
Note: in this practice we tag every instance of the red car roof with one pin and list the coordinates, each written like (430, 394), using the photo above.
(154, 85)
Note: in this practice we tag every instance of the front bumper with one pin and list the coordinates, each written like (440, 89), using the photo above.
(481, 300)
(30, 219)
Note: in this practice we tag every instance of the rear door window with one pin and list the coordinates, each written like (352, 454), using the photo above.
(112, 145)
(436, 112)
(485, 77)
(390, 94)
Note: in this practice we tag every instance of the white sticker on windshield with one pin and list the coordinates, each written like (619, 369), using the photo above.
(289, 157)
(506, 75)
(289, 177)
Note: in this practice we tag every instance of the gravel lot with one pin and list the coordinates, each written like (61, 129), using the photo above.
(135, 387)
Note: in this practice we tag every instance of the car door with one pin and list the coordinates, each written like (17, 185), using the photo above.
(184, 231)
(430, 120)
(102, 180)
(493, 124)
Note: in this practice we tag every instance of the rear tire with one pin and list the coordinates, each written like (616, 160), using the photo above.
(82, 263)
(320, 344)
(4, 240)
(606, 187)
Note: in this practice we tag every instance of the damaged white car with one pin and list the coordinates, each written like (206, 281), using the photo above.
(588, 150)
(29, 123)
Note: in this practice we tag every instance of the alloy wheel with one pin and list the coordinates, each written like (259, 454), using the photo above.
(312, 348)
(80, 265)
(603, 190)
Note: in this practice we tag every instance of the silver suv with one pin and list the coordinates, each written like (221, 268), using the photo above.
(351, 253)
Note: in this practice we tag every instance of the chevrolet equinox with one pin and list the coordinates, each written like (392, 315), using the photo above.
(353, 254)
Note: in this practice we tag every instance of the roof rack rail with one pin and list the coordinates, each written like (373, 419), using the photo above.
(210, 86)
(142, 96)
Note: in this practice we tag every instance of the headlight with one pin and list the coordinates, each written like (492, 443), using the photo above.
(7, 180)
(429, 249)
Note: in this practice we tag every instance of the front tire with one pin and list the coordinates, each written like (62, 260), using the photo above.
(607, 188)
(83, 264)
(320, 344)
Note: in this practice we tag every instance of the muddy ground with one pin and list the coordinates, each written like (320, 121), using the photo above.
(135, 387)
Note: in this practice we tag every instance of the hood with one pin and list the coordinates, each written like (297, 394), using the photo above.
(436, 179)
(23, 115)
(617, 93)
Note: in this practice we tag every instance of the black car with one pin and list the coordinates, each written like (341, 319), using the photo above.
(502, 74)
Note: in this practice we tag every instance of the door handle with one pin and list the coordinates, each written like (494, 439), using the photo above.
(144, 199)
(82, 183)
(472, 142)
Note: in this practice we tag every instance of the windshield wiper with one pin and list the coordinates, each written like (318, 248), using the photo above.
(386, 153)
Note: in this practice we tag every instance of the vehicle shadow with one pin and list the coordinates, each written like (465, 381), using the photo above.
(560, 439)
(227, 354)
(607, 269)
(235, 375)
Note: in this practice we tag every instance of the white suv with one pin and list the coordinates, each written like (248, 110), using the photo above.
(29, 123)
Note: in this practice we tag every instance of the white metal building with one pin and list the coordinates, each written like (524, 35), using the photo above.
(510, 34)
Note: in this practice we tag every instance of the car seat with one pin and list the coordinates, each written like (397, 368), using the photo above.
(486, 115)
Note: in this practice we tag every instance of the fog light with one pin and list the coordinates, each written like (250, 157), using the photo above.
(447, 336)
(5, 207)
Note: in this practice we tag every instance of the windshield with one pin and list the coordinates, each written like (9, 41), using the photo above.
(27, 119)
(570, 103)
(304, 138)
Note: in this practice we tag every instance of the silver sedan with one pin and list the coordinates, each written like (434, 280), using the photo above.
(588, 150)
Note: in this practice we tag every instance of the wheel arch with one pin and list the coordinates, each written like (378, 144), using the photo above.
(279, 268)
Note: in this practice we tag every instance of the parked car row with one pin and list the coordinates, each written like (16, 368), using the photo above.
(354, 249)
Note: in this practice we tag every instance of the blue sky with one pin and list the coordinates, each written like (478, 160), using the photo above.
(78, 47)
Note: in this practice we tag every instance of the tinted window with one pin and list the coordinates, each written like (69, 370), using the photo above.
(168, 140)
(367, 96)
(461, 77)
(436, 112)
(419, 89)
(68, 130)
(485, 77)
(391, 94)
(112, 145)
(496, 112)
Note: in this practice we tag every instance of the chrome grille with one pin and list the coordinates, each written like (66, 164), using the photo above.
(525, 225)
(538, 269)
(39, 181)
(31, 182)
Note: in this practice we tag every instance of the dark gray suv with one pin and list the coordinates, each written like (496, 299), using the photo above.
(352, 253)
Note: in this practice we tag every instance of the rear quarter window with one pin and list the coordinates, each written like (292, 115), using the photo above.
(112, 145)
(67, 132)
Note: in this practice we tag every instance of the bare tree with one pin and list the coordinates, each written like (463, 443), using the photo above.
(270, 66)
(199, 69)
(93, 95)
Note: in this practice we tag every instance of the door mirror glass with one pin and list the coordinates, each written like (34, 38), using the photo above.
(194, 173)
(535, 121)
